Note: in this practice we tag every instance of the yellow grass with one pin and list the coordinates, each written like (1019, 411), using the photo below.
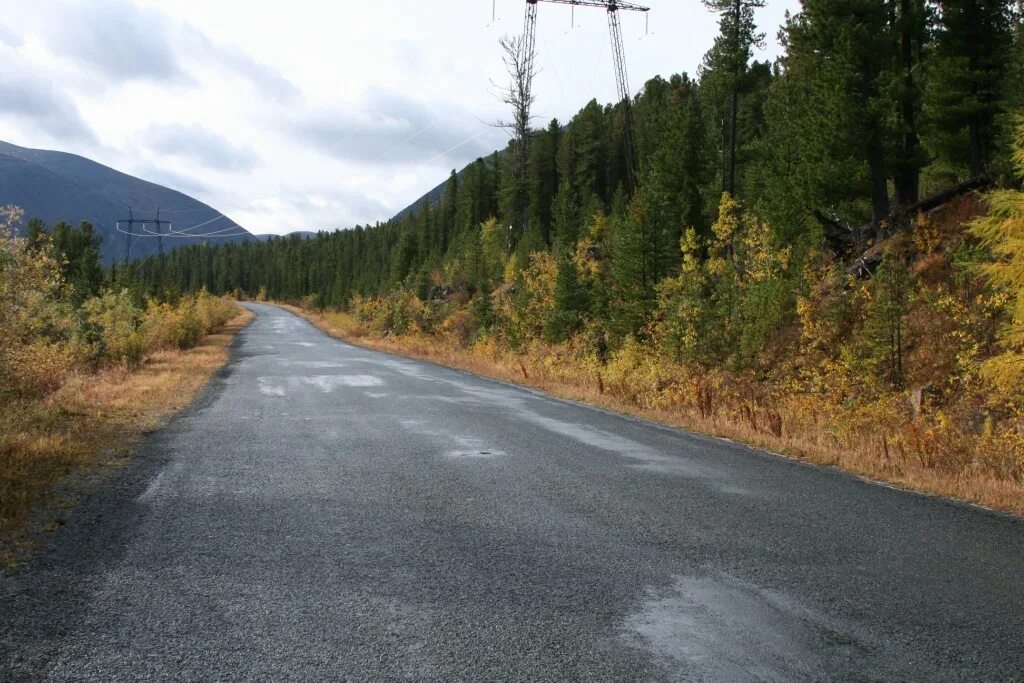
(94, 418)
(791, 429)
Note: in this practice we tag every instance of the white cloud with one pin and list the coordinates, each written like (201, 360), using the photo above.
(390, 128)
(196, 143)
(9, 37)
(41, 106)
(119, 39)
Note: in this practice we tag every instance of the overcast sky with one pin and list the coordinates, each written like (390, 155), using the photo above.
(309, 114)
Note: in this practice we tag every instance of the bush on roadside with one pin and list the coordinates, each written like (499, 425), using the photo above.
(119, 321)
(214, 311)
(36, 323)
(47, 331)
(183, 326)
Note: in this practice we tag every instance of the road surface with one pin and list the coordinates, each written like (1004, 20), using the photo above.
(324, 511)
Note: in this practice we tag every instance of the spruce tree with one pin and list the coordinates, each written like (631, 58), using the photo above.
(638, 260)
(842, 50)
(571, 300)
(723, 71)
(973, 49)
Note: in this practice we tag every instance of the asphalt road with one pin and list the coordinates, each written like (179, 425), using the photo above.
(324, 511)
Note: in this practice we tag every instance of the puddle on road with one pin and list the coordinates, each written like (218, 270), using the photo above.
(644, 457)
(283, 325)
(328, 383)
(467, 447)
(280, 386)
(720, 628)
(474, 454)
(268, 387)
(641, 456)
(407, 368)
(312, 364)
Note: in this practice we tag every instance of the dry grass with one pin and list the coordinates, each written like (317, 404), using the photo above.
(92, 418)
(790, 429)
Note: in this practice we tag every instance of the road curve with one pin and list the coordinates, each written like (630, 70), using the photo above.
(324, 511)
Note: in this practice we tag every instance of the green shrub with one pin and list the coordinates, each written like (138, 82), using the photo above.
(120, 322)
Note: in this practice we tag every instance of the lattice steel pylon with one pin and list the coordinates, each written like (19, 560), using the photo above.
(621, 77)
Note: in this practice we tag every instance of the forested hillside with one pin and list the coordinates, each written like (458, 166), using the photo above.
(819, 277)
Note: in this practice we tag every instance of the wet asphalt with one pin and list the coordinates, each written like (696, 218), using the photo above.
(328, 512)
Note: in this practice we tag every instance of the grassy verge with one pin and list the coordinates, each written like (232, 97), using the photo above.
(791, 430)
(92, 419)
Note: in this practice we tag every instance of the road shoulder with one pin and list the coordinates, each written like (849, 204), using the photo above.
(86, 434)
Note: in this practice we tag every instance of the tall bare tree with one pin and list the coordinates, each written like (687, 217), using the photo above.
(517, 54)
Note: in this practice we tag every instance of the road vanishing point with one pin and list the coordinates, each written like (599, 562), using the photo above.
(328, 512)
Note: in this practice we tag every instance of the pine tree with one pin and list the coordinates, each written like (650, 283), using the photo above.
(842, 53)
(638, 261)
(723, 71)
(78, 252)
(677, 166)
(543, 180)
(571, 300)
(449, 207)
(909, 21)
(966, 93)
(882, 339)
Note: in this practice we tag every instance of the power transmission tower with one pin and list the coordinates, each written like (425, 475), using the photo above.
(160, 233)
(622, 83)
(132, 220)
(621, 79)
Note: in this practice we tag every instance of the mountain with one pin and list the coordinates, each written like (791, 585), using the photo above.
(57, 186)
(435, 195)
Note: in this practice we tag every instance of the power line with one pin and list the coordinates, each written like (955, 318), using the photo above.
(451, 149)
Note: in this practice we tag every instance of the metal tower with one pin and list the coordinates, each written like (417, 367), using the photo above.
(621, 77)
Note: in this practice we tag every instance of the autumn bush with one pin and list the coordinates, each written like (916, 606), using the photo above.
(48, 329)
(120, 325)
(36, 325)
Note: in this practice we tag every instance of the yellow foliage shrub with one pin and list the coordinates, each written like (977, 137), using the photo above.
(120, 323)
(183, 326)
(36, 327)
(214, 311)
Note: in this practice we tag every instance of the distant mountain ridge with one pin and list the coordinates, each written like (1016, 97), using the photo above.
(58, 186)
(435, 195)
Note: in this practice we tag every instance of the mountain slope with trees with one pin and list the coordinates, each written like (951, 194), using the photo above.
(806, 255)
